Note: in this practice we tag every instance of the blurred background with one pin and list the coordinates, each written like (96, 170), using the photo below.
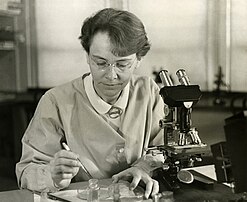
(39, 49)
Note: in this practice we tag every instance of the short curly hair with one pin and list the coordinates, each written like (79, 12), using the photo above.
(126, 31)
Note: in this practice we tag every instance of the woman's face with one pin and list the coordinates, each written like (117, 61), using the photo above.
(110, 73)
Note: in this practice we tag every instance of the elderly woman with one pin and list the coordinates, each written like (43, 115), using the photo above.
(107, 117)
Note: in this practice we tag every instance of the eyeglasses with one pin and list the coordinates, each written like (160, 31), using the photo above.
(121, 66)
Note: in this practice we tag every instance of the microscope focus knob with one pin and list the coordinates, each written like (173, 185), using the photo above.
(166, 110)
(162, 123)
(165, 167)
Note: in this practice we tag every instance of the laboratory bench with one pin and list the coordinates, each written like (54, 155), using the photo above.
(187, 192)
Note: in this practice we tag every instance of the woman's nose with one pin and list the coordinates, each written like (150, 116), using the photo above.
(111, 73)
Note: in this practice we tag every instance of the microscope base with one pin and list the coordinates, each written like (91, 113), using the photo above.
(169, 182)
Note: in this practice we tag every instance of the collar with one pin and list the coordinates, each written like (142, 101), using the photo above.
(99, 104)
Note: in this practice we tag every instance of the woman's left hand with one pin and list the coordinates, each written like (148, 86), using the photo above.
(152, 186)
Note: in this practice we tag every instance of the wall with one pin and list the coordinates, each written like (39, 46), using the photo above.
(238, 45)
(178, 32)
(210, 124)
(198, 36)
(60, 56)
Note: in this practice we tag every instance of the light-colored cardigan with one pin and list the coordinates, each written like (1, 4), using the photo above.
(66, 111)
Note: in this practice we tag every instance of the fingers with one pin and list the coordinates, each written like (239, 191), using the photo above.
(62, 172)
(64, 176)
(114, 179)
(61, 169)
(135, 182)
(152, 186)
(155, 187)
(66, 154)
(124, 175)
(67, 162)
(66, 158)
(64, 166)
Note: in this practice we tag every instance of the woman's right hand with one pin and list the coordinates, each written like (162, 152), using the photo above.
(64, 166)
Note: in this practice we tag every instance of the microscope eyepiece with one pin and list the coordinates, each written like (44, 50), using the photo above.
(165, 78)
(182, 77)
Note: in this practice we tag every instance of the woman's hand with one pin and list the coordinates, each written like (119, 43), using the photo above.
(152, 186)
(64, 166)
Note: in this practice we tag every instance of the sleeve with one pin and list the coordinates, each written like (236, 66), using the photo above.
(151, 161)
(157, 134)
(39, 144)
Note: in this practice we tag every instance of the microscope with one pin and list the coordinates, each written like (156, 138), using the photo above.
(182, 144)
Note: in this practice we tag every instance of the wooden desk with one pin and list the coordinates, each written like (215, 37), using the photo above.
(17, 196)
(199, 192)
(219, 192)
(189, 193)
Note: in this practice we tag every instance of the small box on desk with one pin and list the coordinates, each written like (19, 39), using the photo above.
(236, 142)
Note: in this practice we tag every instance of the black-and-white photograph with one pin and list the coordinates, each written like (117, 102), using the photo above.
(123, 100)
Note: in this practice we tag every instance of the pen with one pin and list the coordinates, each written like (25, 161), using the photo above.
(66, 147)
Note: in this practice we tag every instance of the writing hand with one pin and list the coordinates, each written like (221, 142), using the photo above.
(64, 166)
